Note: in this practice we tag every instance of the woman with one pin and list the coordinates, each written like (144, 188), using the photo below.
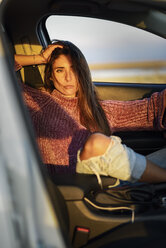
(68, 119)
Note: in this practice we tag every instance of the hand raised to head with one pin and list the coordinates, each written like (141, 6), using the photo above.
(47, 52)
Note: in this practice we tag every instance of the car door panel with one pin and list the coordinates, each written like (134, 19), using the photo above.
(126, 91)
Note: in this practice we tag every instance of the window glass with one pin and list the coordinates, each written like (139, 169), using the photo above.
(115, 52)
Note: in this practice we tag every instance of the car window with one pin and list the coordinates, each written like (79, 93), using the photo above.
(115, 52)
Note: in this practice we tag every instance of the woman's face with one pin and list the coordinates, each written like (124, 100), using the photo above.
(64, 77)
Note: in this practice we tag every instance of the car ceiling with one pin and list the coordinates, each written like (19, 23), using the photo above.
(21, 17)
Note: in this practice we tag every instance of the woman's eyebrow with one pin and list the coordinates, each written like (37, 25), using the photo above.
(58, 67)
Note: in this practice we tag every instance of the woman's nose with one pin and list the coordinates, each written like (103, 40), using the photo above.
(68, 76)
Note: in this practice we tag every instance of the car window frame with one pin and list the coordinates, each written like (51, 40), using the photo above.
(44, 38)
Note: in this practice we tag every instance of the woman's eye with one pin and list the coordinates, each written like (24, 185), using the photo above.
(59, 70)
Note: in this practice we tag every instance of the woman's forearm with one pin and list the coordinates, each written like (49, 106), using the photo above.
(24, 60)
(39, 59)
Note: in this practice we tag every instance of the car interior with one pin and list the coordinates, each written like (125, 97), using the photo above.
(91, 216)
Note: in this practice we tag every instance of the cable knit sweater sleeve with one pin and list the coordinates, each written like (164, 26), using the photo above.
(35, 99)
(146, 114)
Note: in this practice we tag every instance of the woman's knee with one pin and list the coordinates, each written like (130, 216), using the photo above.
(95, 145)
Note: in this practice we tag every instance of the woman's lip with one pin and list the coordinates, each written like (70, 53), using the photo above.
(69, 87)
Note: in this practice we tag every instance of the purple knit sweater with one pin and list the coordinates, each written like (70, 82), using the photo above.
(58, 130)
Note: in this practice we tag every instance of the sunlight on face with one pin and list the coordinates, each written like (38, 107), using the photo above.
(64, 77)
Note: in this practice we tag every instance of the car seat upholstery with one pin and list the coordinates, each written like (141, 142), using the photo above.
(31, 75)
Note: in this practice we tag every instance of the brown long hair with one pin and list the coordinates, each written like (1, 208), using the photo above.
(94, 117)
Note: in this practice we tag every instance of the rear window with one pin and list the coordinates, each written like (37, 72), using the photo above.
(115, 52)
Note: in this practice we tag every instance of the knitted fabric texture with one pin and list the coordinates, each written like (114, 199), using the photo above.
(60, 135)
